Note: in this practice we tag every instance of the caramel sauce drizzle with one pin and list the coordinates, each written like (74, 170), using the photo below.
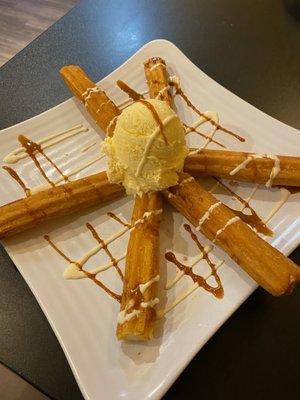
(217, 291)
(156, 117)
(203, 135)
(18, 179)
(87, 273)
(116, 218)
(105, 248)
(137, 97)
(88, 147)
(252, 219)
(32, 149)
(135, 300)
(179, 91)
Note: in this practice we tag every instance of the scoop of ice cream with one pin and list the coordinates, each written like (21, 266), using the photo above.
(140, 155)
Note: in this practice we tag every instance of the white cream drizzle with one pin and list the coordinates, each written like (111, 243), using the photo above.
(102, 105)
(180, 274)
(150, 303)
(146, 215)
(72, 268)
(159, 94)
(161, 313)
(202, 120)
(125, 316)
(51, 140)
(150, 143)
(159, 64)
(284, 195)
(71, 273)
(170, 195)
(111, 124)
(124, 104)
(144, 286)
(175, 79)
(249, 198)
(89, 91)
(93, 251)
(207, 214)
(187, 180)
(275, 170)
(228, 223)
(241, 166)
(73, 172)
(179, 299)
(244, 164)
(214, 117)
(128, 102)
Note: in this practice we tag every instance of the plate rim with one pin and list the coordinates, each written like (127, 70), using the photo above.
(171, 45)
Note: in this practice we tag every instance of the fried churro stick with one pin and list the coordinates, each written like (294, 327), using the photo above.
(157, 79)
(102, 109)
(77, 195)
(248, 167)
(57, 201)
(265, 264)
(137, 315)
(271, 269)
(140, 266)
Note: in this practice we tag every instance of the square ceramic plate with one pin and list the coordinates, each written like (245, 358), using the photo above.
(83, 316)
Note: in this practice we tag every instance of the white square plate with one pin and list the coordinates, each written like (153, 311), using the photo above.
(82, 316)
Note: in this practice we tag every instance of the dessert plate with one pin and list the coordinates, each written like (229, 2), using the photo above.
(81, 314)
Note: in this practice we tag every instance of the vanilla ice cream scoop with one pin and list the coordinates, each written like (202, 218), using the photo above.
(141, 155)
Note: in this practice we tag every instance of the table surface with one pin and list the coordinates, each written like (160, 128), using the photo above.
(252, 48)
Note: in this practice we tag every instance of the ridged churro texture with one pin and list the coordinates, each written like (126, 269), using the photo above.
(142, 261)
(77, 195)
(157, 79)
(266, 265)
(142, 265)
(271, 269)
(241, 166)
(58, 201)
(102, 109)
